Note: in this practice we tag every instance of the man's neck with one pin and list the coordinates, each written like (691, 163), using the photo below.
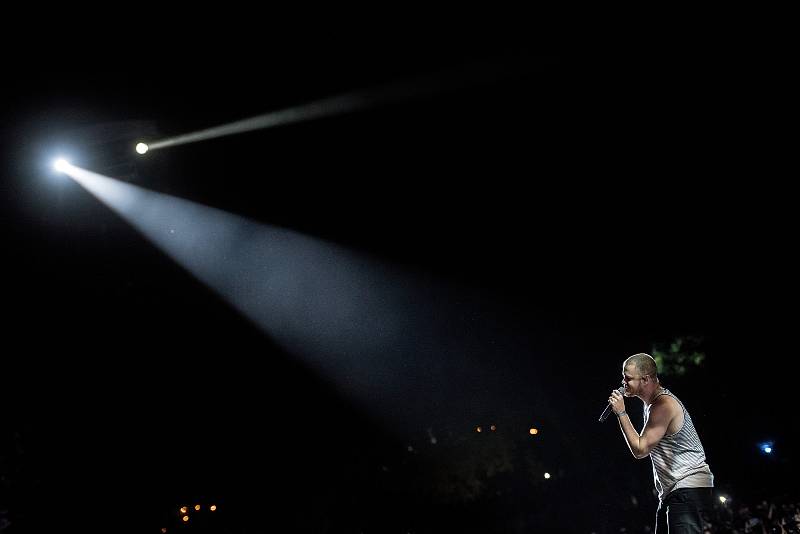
(651, 394)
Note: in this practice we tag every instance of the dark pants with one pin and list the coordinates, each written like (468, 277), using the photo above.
(681, 512)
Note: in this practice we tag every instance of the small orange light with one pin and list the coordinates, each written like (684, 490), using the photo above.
(185, 518)
(213, 507)
(183, 509)
(197, 507)
(163, 530)
(534, 431)
(493, 428)
(479, 429)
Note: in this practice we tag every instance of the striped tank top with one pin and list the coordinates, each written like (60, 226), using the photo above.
(679, 460)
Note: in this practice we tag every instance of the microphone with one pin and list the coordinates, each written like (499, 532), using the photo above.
(607, 411)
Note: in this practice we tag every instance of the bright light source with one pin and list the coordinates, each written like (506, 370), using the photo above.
(493, 428)
(768, 449)
(722, 499)
(534, 431)
(183, 509)
(547, 475)
(213, 507)
(197, 507)
(185, 518)
(61, 165)
(163, 530)
(141, 148)
(479, 429)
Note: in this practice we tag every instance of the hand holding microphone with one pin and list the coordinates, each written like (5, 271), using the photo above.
(609, 407)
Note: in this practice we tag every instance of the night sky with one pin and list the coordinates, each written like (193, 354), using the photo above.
(536, 213)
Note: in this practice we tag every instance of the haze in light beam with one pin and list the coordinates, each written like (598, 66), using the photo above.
(362, 100)
(391, 339)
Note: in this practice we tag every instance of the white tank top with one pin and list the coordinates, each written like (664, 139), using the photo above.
(679, 460)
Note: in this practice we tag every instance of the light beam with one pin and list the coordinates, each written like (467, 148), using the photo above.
(388, 338)
(361, 100)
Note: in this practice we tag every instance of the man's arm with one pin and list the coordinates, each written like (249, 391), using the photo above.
(661, 415)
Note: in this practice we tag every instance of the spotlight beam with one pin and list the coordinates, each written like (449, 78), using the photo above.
(315, 110)
(379, 334)
(312, 297)
(348, 103)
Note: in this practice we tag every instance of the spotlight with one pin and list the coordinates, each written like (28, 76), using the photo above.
(766, 447)
(61, 165)
(723, 499)
(141, 148)
(547, 475)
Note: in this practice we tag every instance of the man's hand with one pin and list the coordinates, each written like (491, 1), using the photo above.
(617, 402)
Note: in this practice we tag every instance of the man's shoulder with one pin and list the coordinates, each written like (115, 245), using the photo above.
(667, 403)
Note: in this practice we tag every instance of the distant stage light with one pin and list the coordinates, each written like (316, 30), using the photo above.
(197, 507)
(547, 475)
(141, 148)
(766, 447)
(723, 499)
(61, 165)
(185, 518)
(213, 507)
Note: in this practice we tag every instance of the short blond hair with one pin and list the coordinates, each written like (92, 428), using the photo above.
(644, 364)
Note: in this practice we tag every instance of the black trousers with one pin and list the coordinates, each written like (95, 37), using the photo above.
(681, 512)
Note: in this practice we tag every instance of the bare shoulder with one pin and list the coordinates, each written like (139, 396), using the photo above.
(669, 409)
(665, 402)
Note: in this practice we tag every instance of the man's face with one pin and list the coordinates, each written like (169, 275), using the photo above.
(632, 380)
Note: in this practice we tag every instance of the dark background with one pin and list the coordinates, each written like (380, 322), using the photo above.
(588, 199)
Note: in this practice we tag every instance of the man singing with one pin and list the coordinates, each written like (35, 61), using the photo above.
(682, 477)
